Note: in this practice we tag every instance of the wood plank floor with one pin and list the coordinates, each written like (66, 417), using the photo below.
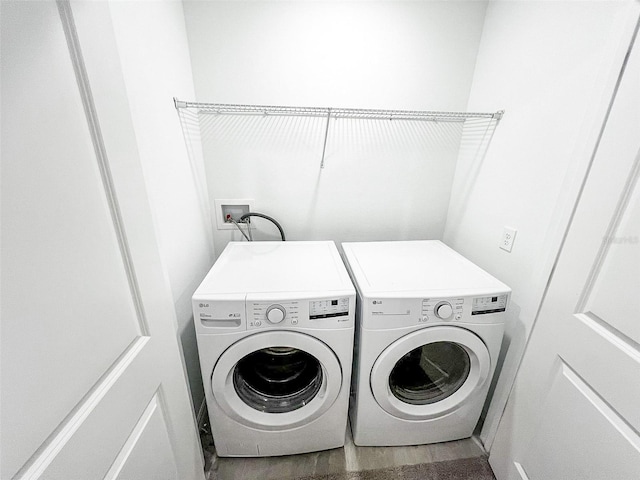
(351, 458)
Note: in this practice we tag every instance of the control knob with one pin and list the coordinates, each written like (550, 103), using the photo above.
(276, 313)
(443, 310)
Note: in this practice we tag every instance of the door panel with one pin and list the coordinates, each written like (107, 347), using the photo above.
(89, 347)
(147, 452)
(605, 362)
(614, 297)
(573, 412)
(103, 421)
(577, 420)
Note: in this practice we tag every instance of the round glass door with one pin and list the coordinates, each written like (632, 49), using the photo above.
(277, 379)
(430, 373)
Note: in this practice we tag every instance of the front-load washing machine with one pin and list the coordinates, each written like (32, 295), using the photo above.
(429, 329)
(274, 325)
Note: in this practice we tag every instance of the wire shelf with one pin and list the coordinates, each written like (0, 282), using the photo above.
(328, 113)
(373, 114)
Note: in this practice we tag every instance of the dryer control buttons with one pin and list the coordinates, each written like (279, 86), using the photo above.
(328, 309)
(276, 313)
(443, 310)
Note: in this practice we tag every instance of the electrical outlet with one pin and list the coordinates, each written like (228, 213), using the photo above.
(234, 208)
(508, 236)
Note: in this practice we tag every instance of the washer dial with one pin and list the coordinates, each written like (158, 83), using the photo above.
(276, 313)
(443, 310)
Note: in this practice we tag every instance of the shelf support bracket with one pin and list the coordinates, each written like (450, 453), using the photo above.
(326, 136)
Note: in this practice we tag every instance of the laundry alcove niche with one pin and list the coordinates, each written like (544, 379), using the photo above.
(335, 173)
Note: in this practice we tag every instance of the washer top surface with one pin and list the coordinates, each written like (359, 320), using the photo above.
(420, 267)
(277, 267)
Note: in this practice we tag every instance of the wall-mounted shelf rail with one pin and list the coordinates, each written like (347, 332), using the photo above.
(328, 113)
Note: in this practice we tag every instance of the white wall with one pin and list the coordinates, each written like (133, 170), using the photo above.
(549, 65)
(155, 61)
(383, 180)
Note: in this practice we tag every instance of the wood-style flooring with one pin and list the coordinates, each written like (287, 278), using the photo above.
(351, 458)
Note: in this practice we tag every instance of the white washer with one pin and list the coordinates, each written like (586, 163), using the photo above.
(429, 329)
(274, 325)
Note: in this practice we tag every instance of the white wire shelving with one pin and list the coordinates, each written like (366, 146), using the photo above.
(328, 113)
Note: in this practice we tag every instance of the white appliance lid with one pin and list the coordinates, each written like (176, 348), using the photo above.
(277, 267)
(415, 266)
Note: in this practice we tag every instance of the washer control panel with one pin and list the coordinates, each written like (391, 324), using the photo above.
(334, 307)
(329, 312)
(442, 309)
(489, 304)
(272, 313)
(381, 313)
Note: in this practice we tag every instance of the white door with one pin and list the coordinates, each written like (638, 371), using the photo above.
(574, 411)
(276, 380)
(430, 373)
(92, 381)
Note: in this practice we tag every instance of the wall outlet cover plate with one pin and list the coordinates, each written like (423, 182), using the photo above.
(508, 237)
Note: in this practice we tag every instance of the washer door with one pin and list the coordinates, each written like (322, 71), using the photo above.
(430, 372)
(276, 380)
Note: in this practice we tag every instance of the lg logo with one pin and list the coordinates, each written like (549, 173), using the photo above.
(204, 305)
